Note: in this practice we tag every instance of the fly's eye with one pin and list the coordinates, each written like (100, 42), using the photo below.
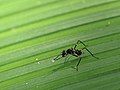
(64, 52)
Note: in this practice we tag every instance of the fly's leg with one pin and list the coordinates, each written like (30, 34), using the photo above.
(76, 67)
(87, 49)
(57, 58)
(66, 59)
(90, 53)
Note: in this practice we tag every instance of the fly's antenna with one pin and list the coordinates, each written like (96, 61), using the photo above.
(56, 58)
(87, 49)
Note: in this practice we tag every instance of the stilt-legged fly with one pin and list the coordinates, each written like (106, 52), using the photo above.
(74, 52)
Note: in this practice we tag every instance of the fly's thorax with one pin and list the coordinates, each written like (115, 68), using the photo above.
(70, 51)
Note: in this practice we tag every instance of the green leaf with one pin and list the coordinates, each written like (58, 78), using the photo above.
(34, 32)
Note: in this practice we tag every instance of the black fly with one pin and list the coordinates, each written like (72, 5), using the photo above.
(74, 52)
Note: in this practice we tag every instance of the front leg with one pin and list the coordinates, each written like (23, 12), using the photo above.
(78, 43)
(57, 58)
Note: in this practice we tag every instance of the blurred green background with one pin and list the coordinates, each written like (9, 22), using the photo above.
(33, 32)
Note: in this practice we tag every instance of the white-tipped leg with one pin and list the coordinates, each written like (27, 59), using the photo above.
(76, 67)
(53, 60)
